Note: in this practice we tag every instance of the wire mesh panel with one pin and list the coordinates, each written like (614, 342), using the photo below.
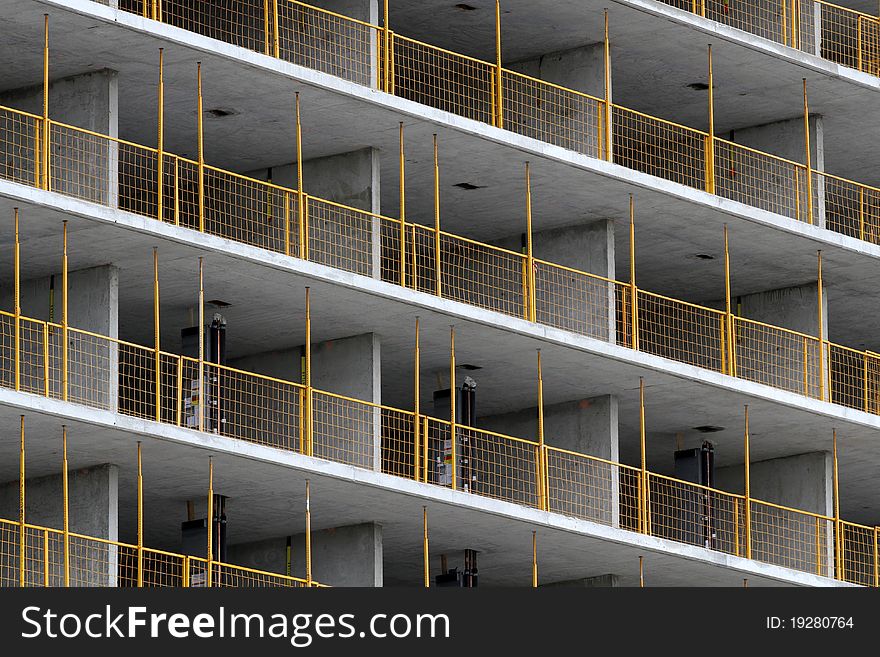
(760, 180)
(244, 23)
(19, 146)
(83, 164)
(482, 275)
(850, 208)
(852, 377)
(328, 42)
(444, 80)
(850, 38)
(138, 176)
(776, 357)
(93, 562)
(791, 538)
(680, 331)
(688, 513)
(858, 554)
(346, 430)
(399, 444)
(9, 554)
(659, 148)
(160, 569)
(343, 237)
(553, 114)
(497, 466)
(228, 576)
(770, 19)
(422, 269)
(33, 359)
(575, 301)
(92, 369)
(583, 487)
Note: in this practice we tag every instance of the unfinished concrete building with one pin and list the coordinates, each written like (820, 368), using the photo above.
(365, 293)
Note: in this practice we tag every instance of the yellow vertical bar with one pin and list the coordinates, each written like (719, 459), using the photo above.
(437, 272)
(818, 545)
(876, 557)
(425, 557)
(46, 127)
(541, 461)
(859, 41)
(838, 534)
(201, 385)
(201, 149)
(534, 559)
(748, 489)
(644, 509)
(808, 156)
(806, 368)
(64, 324)
(154, 10)
(286, 223)
(402, 161)
(46, 359)
(609, 147)
(160, 148)
(46, 558)
(276, 41)
(452, 410)
(309, 394)
(17, 302)
(386, 50)
(176, 191)
(821, 332)
(784, 8)
(861, 212)
(634, 292)
(417, 367)
(499, 92)
(425, 449)
(731, 343)
(308, 534)
(267, 32)
(797, 194)
(65, 501)
(186, 569)
(736, 525)
(140, 518)
(156, 341)
(530, 255)
(301, 205)
(179, 390)
(21, 520)
(210, 523)
(641, 572)
(710, 150)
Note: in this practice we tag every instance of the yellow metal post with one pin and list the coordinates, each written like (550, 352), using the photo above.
(176, 191)
(140, 518)
(530, 255)
(44, 165)
(160, 148)
(876, 557)
(155, 10)
(301, 203)
(201, 149)
(748, 489)
(838, 535)
(710, 141)
(66, 503)
(156, 341)
(276, 43)
(730, 345)
(210, 553)
(16, 256)
(201, 386)
(425, 558)
(46, 359)
(64, 323)
(609, 149)
(386, 50)
(641, 572)
(437, 272)
(425, 449)
(402, 161)
(499, 71)
(46, 558)
(821, 299)
(267, 32)
(309, 393)
(634, 291)
(416, 406)
(541, 461)
(644, 524)
(534, 559)
(452, 410)
(308, 534)
(808, 156)
(22, 546)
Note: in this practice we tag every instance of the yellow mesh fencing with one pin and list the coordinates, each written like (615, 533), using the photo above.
(98, 562)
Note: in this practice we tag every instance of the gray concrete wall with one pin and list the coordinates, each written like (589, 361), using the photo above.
(93, 305)
(343, 556)
(93, 511)
(804, 482)
(774, 187)
(337, 238)
(578, 486)
(565, 300)
(343, 430)
(80, 164)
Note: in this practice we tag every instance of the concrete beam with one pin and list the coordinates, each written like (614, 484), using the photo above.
(598, 581)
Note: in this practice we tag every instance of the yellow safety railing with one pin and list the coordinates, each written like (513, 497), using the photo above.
(120, 376)
(100, 562)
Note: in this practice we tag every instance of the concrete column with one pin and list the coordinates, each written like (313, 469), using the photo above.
(343, 556)
(598, 581)
(784, 139)
(93, 305)
(573, 125)
(803, 482)
(80, 164)
(589, 427)
(344, 430)
(568, 301)
(355, 55)
(338, 238)
(93, 511)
